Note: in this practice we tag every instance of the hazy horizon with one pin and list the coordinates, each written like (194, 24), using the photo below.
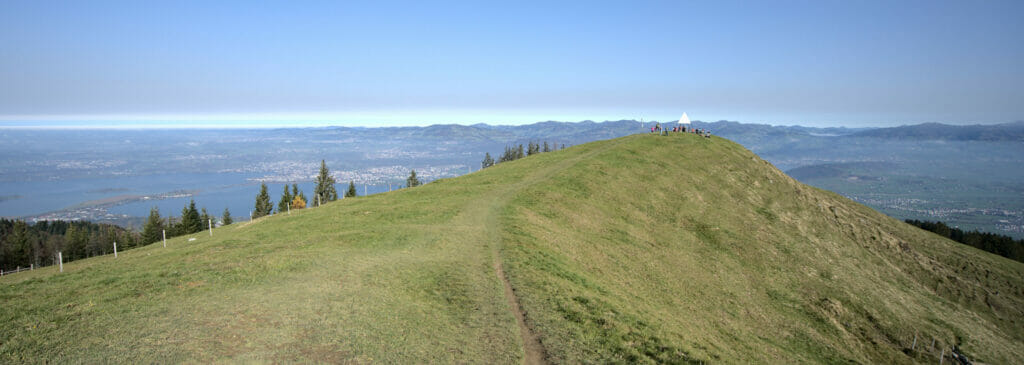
(269, 124)
(820, 64)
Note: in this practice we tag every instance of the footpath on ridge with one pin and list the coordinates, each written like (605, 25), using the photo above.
(483, 213)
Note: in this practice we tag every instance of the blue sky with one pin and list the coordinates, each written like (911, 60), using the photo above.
(819, 63)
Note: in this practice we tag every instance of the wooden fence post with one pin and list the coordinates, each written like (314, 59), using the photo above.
(115, 249)
(165, 237)
(211, 227)
(60, 259)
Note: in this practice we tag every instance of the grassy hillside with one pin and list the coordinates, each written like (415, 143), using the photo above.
(643, 248)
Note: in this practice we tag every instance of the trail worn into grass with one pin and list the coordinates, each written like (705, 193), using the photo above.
(484, 212)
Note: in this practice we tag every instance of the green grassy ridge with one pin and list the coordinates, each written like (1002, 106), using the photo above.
(643, 248)
(683, 249)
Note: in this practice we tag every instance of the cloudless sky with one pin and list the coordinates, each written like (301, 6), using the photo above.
(819, 63)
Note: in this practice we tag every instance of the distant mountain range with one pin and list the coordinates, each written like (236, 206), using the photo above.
(570, 132)
(936, 131)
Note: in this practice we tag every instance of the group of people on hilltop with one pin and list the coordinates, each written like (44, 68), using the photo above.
(680, 129)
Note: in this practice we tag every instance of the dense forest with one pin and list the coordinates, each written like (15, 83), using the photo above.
(23, 244)
(998, 244)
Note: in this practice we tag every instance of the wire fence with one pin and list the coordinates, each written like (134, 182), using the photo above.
(15, 271)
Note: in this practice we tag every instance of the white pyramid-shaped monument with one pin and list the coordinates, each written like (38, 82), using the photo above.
(684, 119)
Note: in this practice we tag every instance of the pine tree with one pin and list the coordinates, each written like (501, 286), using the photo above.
(533, 149)
(286, 198)
(225, 219)
(412, 181)
(153, 230)
(351, 192)
(172, 227)
(324, 191)
(263, 205)
(190, 220)
(546, 147)
(507, 155)
(488, 161)
(193, 214)
(519, 152)
(205, 220)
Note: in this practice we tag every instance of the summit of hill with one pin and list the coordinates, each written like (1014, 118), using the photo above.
(645, 248)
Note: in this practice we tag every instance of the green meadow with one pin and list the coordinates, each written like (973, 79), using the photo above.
(641, 249)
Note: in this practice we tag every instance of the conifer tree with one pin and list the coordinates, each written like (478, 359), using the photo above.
(546, 147)
(193, 214)
(412, 181)
(351, 192)
(519, 152)
(324, 191)
(533, 149)
(184, 224)
(172, 227)
(205, 220)
(488, 161)
(286, 198)
(190, 220)
(225, 219)
(153, 230)
(507, 155)
(263, 205)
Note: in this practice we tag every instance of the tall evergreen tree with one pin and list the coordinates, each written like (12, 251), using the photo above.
(225, 219)
(487, 162)
(519, 152)
(263, 206)
(286, 199)
(412, 181)
(205, 220)
(172, 227)
(197, 224)
(153, 230)
(324, 191)
(351, 192)
(546, 147)
(190, 220)
(507, 155)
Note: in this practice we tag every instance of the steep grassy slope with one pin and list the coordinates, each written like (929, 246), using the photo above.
(686, 249)
(644, 248)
